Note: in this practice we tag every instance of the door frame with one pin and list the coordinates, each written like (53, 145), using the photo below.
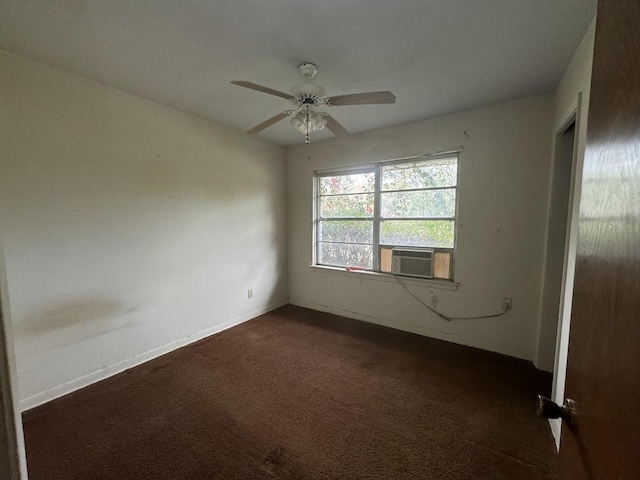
(9, 405)
(577, 113)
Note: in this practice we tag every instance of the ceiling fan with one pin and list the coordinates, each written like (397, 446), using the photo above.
(307, 97)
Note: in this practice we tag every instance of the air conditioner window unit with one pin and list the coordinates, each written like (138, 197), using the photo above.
(412, 262)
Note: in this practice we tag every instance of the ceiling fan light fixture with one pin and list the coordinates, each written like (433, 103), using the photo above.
(318, 122)
(298, 121)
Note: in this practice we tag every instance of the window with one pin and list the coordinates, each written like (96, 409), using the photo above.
(363, 213)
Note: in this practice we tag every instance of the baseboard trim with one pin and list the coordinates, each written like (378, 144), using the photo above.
(424, 331)
(58, 391)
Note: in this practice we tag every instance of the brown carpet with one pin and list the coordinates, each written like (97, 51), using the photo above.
(301, 394)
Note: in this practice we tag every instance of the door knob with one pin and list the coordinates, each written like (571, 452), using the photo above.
(547, 408)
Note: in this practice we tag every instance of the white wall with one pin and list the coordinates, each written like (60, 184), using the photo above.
(503, 191)
(572, 94)
(129, 228)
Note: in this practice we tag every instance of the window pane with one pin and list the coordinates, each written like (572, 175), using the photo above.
(426, 203)
(341, 255)
(346, 231)
(355, 183)
(423, 174)
(417, 233)
(342, 206)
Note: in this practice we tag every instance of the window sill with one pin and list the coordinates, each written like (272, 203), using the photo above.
(387, 277)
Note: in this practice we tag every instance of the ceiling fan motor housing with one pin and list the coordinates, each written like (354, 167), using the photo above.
(307, 93)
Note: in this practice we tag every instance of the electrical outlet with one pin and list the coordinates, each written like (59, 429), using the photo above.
(250, 293)
(507, 303)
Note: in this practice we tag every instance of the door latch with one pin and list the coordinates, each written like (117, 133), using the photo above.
(547, 408)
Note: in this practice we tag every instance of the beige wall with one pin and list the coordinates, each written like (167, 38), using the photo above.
(129, 228)
(503, 190)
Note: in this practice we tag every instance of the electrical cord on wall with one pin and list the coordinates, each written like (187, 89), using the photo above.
(442, 315)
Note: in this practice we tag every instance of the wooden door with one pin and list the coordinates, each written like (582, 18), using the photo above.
(603, 375)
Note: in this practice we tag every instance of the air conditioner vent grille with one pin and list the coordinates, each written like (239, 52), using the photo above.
(413, 268)
(416, 253)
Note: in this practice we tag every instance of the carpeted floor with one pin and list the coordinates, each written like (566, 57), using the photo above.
(305, 395)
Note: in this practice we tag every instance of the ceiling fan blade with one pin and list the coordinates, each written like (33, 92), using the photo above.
(337, 129)
(271, 121)
(260, 88)
(368, 98)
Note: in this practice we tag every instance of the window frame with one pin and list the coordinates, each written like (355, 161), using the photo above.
(316, 214)
(377, 219)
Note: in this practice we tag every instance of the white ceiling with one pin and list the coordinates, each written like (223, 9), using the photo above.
(437, 56)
